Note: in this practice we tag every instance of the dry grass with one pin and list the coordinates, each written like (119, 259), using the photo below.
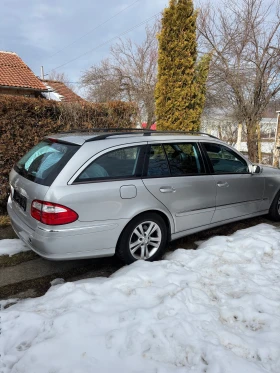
(9, 261)
(4, 221)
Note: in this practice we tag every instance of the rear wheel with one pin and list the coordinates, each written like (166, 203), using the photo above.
(144, 238)
(274, 211)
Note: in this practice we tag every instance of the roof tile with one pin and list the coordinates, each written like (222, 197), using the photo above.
(15, 73)
(63, 90)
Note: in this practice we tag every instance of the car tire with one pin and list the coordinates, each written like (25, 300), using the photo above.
(274, 211)
(144, 238)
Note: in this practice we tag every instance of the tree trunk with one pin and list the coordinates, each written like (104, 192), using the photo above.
(252, 141)
(149, 121)
(150, 115)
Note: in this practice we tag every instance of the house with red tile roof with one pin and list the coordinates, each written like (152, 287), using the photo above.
(59, 91)
(16, 78)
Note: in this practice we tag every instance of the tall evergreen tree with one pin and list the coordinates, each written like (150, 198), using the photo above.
(180, 89)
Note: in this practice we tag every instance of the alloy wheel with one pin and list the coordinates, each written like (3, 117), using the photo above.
(145, 240)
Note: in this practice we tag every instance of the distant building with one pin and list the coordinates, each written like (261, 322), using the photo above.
(227, 129)
(16, 78)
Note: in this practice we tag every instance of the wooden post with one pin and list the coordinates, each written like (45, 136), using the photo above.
(239, 137)
(259, 143)
(277, 142)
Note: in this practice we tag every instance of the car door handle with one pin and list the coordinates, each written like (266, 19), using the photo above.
(167, 189)
(223, 185)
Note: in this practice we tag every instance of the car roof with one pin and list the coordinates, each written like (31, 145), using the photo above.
(79, 138)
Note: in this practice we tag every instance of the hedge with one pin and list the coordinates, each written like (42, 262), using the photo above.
(25, 121)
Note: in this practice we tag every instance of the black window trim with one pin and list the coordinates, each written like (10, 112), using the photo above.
(211, 166)
(139, 165)
(146, 162)
(206, 159)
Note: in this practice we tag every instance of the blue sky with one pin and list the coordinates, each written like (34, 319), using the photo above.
(37, 29)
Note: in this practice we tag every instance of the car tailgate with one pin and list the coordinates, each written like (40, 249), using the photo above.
(23, 192)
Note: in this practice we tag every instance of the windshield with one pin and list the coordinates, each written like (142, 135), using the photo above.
(45, 161)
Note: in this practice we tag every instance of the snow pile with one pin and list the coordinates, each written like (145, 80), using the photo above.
(11, 247)
(214, 310)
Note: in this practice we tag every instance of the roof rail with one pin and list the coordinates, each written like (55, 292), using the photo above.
(108, 132)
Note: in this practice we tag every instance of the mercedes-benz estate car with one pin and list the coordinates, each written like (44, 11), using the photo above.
(87, 195)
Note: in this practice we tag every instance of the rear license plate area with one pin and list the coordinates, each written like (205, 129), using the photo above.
(20, 200)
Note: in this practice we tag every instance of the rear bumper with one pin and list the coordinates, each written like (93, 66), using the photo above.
(98, 239)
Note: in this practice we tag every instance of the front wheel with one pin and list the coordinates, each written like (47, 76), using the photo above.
(144, 238)
(274, 211)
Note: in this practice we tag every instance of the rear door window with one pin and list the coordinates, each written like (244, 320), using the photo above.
(157, 162)
(174, 159)
(184, 159)
(45, 161)
(124, 163)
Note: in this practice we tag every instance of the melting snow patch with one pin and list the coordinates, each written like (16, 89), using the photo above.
(213, 310)
(12, 246)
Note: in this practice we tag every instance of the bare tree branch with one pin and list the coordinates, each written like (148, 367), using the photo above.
(129, 74)
(244, 37)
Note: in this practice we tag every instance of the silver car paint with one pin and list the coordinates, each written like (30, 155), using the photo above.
(189, 204)
(105, 208)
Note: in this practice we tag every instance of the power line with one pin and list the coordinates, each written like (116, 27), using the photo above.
(95, 28)
(108, 41)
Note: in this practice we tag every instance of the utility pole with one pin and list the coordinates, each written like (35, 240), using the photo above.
(277, 142)
(42, 73)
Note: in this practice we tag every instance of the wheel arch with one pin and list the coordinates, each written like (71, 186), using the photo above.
(163, 215)
(277, 191)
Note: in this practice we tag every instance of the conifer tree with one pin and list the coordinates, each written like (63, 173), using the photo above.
(181, 85)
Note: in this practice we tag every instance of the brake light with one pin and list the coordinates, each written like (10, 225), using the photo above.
(51, 213)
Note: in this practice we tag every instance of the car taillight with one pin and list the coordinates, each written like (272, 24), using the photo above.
(51, 213)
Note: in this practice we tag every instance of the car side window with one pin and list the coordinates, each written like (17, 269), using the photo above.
(184, 159)
(225, 160)
(117, 164)
(157, 162)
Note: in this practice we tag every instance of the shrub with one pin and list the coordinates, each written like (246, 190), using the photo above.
(181, 85)
(25, 121)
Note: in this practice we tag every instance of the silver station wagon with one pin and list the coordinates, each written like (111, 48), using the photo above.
(94, 194)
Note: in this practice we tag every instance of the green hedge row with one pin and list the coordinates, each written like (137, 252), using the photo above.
(25, 121)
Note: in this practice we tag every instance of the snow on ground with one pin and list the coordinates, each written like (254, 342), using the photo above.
(11, 247)
(214, 310)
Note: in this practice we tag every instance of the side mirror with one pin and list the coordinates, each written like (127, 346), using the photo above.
(256, 169)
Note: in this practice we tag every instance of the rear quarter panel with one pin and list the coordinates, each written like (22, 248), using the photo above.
(101, 201)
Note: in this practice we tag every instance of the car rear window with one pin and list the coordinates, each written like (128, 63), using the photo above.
(45, 161)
